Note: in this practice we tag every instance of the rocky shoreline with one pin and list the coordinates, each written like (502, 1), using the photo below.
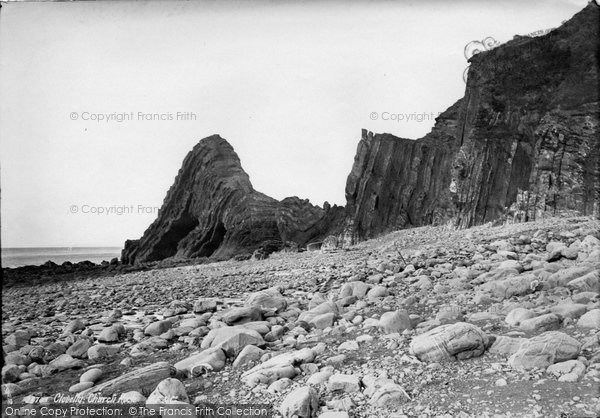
(431, 321)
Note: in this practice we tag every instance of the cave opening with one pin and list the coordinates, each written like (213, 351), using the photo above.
(216, 236)
(179, 229)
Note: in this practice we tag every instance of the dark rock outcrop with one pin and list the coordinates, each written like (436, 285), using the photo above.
(212, 210)
(522, 142)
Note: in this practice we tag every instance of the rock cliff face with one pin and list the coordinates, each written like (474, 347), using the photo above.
(212, 210)
(522, 142)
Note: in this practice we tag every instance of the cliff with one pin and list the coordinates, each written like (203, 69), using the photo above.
(212, 210)
(523, 141)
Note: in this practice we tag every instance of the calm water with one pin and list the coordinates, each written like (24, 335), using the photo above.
(16, 257)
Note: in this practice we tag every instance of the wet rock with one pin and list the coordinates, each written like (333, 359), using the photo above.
(302, 402)
(454, 341)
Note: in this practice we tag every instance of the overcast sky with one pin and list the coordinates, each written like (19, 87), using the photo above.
(289, 84)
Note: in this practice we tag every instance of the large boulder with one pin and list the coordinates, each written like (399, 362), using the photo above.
(547, 322)
(158, 327)
(564, 276)
(231, 340)
(270, 299)
(513, 286)
(590, 320)
(357, 289)
(321, 316)
(302, 402)
(396, 321)
(168, 391)
(518, 315)
(384, 393)
(238, 316)
(209, 360)
(453, 341)
(543, 350)
(145, 378)
(506, 346)
(65, 362)
(589, 282)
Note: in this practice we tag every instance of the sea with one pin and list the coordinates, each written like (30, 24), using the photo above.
(18, 257)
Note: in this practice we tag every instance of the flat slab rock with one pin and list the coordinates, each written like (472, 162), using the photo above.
(448, 342)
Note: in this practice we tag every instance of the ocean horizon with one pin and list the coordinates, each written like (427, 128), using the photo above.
(34, 256)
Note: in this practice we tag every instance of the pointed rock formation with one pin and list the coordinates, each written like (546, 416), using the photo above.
(212, 210)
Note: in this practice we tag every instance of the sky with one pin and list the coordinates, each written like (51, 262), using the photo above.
(289, 84)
